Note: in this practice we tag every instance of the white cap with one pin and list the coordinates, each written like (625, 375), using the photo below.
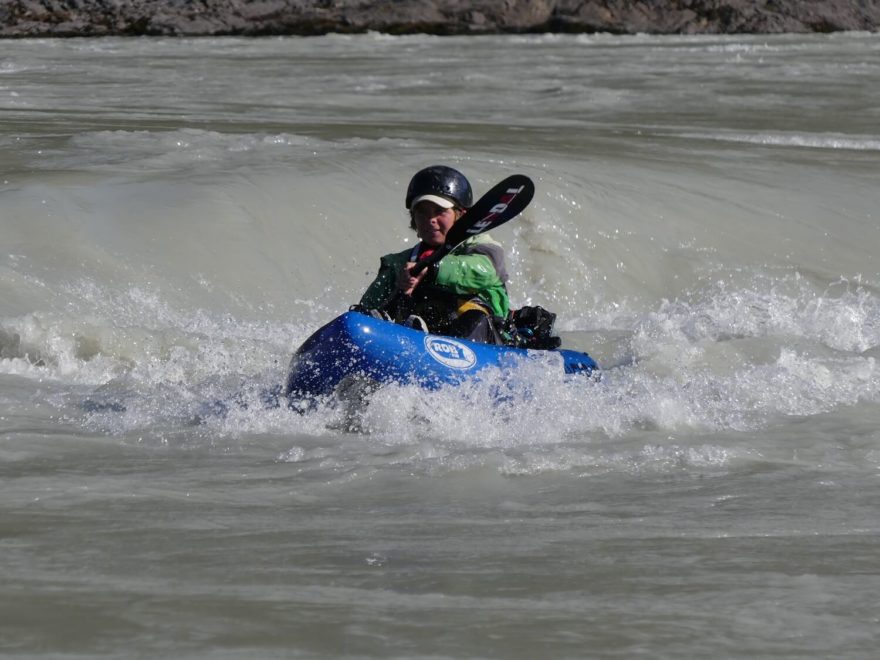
(442, 202)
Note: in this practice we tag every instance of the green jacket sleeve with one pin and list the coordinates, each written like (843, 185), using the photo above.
(467, 273)
(476, 275)
(380, 290)
(383, 287)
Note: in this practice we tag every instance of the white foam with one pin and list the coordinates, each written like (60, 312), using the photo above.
(796, 140)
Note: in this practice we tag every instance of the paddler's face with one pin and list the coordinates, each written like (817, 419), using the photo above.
(433, 222)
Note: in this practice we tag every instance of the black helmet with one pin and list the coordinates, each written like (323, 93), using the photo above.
(440, 181)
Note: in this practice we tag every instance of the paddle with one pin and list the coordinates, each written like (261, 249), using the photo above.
(502, 203)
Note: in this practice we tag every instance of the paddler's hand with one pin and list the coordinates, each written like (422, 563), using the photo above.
(406, 281)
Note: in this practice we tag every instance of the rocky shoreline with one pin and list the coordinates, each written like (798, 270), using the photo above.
(72, 18)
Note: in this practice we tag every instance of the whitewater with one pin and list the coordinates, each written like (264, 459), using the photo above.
(179, 215)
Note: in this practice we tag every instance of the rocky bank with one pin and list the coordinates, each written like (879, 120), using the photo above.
(68, 18)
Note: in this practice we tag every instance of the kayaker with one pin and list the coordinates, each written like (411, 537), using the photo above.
(462, 293)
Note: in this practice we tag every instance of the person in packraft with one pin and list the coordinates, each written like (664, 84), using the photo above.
(458, 295)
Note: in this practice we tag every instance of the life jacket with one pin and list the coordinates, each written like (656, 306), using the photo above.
(439, 307)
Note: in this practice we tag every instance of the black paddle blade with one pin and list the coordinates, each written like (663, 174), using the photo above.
(504, 202)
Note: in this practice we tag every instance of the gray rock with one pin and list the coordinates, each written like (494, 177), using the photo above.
(44, 18)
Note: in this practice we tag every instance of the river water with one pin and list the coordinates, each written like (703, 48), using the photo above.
(178, 216)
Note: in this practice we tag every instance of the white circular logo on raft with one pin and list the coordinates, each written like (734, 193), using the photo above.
(452, 353)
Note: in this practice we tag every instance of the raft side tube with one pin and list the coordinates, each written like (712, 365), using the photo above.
(358, 345)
